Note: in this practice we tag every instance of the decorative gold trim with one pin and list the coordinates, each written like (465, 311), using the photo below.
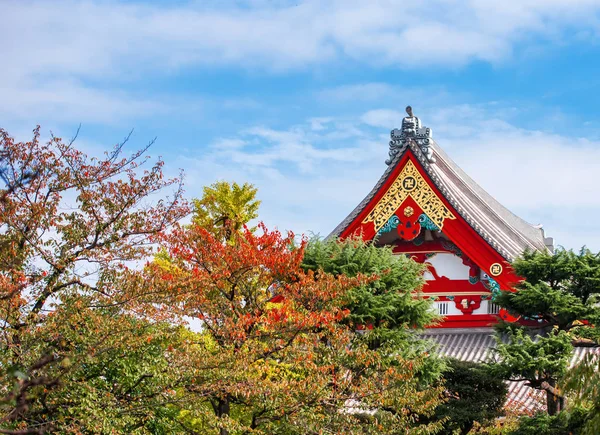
(411, 183)
(495, 269)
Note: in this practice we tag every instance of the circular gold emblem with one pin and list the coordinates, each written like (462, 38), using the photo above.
(495, 269)
(409, 183)
(408, 211)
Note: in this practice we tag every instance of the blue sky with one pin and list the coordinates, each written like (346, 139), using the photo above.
(298, 97)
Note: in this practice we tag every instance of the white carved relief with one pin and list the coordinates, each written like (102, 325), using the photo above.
(448, 265)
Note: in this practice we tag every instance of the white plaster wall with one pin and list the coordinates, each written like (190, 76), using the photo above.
(448, 265)
(483, 308)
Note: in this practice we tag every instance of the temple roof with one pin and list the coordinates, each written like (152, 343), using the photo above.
(476, 345)
(508, 234)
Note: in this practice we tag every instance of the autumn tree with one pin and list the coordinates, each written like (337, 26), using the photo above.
(230, 287)
(275, 354)
(557, 307)
(70, 226)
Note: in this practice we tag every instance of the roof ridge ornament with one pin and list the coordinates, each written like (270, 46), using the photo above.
(411, 129)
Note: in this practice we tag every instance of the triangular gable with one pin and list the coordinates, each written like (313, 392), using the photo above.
(409, 190)
(407, 200)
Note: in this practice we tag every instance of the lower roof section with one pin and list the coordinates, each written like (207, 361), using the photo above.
(476, 345)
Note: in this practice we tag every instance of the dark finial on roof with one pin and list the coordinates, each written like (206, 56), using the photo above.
(411, 129)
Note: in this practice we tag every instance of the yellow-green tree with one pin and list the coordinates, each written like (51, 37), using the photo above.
(226, 207)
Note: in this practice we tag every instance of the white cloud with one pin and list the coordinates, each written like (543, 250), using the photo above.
(71, 57)
(69, 100)
(299, 148)
(228, 144)
(532, 169)
(101, 39)
(318, 124)
(382, 117)
(308, 184)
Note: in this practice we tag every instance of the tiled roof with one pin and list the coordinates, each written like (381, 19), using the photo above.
(508, 234)
(476, 345)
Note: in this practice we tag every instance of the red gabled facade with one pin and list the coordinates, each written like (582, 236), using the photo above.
(424, 206)
(401, 201)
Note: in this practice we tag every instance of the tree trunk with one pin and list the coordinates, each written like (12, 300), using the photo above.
(222, 409)
(555, 401)
(467, 429)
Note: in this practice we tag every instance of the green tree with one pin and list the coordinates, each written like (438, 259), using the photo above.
(110, 373)
(387, 308)
(474, 394)
(583, 384)
(557, 306)
(569, 422)
(386, 312)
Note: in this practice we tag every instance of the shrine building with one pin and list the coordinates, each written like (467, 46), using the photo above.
(426, 207)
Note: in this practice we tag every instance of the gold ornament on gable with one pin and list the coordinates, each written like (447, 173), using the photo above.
(411, 183)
